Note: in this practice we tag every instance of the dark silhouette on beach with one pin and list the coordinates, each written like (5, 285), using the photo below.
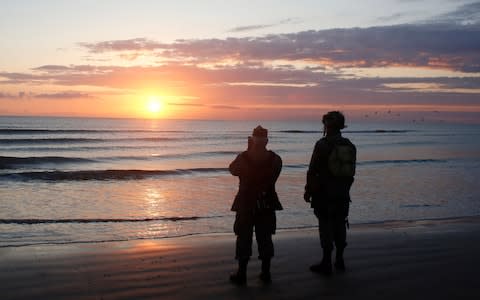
(329, 178)
(255, 204)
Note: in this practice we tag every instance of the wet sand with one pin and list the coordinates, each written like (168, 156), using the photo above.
(437, 259)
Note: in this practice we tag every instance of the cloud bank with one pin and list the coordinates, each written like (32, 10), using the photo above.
(314, 67)
(444, 46)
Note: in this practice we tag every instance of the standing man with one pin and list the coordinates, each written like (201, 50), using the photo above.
(329, 178)
(255, 203)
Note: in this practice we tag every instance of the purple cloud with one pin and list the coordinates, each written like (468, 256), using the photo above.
(224, 107)
(5, 95)
(436, 46)
(250, 28)
(137, 44)
(446, 46)
(465, 14)
(55, 95)
(52, 68)
(63, 95)
(260, 26)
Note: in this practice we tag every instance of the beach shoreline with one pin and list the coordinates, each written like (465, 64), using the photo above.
(398, 259)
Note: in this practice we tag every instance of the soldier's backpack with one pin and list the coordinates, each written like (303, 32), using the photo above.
(342, 160)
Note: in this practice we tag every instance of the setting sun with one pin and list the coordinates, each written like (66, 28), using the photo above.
(154, 105)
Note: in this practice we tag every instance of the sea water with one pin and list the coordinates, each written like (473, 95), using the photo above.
(73, 180)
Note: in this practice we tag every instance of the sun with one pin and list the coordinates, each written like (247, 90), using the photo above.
(154, 105)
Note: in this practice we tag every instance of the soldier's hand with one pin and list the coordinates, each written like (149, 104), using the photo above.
(307, 197)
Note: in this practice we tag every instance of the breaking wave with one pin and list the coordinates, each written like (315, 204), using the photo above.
(99, 220)
(8, 162)
(102, 174)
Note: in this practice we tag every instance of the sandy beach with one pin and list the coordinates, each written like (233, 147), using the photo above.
(434, 259)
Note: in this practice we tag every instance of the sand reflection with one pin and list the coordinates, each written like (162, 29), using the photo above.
(148, 246)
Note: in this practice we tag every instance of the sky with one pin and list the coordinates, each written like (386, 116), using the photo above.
(410, 60)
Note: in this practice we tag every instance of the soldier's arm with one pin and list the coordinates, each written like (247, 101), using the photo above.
(235, 167)
(316, 167)
(278, 167)
(311, 167)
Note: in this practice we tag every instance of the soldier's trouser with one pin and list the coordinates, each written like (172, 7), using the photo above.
(332, 226)
(264, 224)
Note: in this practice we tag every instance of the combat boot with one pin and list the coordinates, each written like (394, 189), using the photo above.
(339, 261)
(325, 266)
(240, 277)
(265, 275)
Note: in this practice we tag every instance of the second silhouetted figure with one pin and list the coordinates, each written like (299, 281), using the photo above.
(329, 178)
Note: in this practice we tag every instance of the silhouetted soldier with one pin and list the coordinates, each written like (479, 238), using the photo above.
(255, 203)
(329, 178)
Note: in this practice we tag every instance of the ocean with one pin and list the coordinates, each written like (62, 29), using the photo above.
(84, 180)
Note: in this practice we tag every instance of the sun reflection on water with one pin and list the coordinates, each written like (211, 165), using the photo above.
(154, 206)
(154, 201)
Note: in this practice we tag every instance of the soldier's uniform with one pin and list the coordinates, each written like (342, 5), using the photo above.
(255, 204)
(329, 193)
